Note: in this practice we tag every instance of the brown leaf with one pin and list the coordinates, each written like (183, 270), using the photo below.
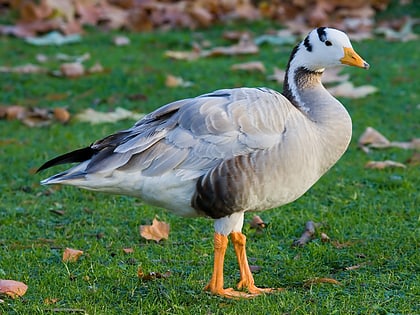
(257, 223)
(383, 164)
(12, 112)
(183, 55)
(414, 160)
(61, 114)
(24, 69)
(72, 70)
(347, 89)
(95, 117)
(12, 288)
(50, 301)
(128, 250)
(355, 267)
(96, 68)
(121, 41)
(71, 255)
(249, 66)
(325, 238)
(245, 46)
(157, 231)
(152, 275)
(173, 81)
(278, 75)
(313, 281)
(373, 138)
(307, 235)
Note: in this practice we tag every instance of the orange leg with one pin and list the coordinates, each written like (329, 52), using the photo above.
(215, 285)
(247, 280)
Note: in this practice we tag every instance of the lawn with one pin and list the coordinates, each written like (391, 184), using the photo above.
(372, 214)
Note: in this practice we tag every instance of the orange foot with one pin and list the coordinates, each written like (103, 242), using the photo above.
(230, 293)
(255, 291)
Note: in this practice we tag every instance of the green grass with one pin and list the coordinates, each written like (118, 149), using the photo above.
(376, 211)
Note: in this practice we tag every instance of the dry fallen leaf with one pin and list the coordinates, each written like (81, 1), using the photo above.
(12, 288)
(61, 114)
(383, 164)
(24, 69)
(157, 231)
(173, 81)
(313, 281)
(183, 55)
(347, 89)
(121, 40)
(325, 238)
(72, 70)
(95, 117)
(245, 47)
(152, 275)
(257, 223)
(414, 160)
(354, 267)
(278, 75)
(249, 66)
(71, 255)
(128, 250)
(371, 138)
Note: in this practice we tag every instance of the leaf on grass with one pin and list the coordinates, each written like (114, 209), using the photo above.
(54, 38)
(12, 288)
(257, 223)
(71, 255)
(355, 267)
(347, 89)
(50, 301)
(121, 41)
(414, 160)
(61, 114)
(24, 69)
(325, 238)
(152, 275)
(173, 81)
(307, 235)
(403, 34)
(183, 55)
(383, 164)
(340, 245)
(128, 250)
(96, 68)
(371, 138)
(72, 69)
(34, 116)
(278, 75)
(95, 117)
(313, 281)
(245, 47)
(249, 66)
(332, 75)
(157, 231)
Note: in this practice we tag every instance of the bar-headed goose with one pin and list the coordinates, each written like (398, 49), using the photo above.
(228, 152)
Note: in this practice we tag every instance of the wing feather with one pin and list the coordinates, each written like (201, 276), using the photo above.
(192, 136)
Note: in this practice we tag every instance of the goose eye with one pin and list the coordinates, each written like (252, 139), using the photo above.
(328, 43)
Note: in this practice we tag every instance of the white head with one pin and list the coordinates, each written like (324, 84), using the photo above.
(327, 47)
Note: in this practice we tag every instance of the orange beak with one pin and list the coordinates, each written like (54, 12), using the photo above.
(351, 58)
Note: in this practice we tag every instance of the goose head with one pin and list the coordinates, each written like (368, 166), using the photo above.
(326, 47)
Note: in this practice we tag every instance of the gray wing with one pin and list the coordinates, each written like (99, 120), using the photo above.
(194, 135)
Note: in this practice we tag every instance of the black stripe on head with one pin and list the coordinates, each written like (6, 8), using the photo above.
(322, 34)
(307, 44)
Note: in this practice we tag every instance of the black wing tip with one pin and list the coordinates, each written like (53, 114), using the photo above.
(75, 156)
